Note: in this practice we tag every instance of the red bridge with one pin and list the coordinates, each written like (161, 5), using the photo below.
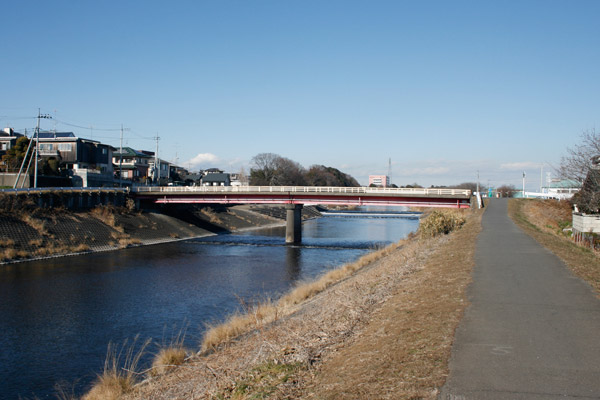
(297, 196)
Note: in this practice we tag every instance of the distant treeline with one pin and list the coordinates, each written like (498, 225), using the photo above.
(270, 169)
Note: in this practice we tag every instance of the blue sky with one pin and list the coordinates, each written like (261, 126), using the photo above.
(443, 88)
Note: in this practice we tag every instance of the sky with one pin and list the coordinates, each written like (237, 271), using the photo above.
(449, 91)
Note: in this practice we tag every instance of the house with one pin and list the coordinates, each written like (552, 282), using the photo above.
(88, 162)
(562, 188)
(379, 180)
(216, 179)
(161, 175)
(131, 165)
(238, 179)
(9, 169)
(178, 174)
(8, 138)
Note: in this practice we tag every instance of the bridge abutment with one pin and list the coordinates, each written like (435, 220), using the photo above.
(293, 226)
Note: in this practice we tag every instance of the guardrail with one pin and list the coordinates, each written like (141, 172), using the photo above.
(301, 189)
(254, 189)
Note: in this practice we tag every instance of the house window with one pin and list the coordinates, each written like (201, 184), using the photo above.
(65, 146)
(4, 146)
(46, 146)
(104, 151)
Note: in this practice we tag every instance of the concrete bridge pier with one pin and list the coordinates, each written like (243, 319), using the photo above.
(293, 226)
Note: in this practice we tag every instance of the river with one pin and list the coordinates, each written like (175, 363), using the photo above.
(57, 316)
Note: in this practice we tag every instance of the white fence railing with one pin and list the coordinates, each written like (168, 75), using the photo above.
(302, 189)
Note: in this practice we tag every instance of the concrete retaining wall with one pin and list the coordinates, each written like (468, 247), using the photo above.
(586, 223)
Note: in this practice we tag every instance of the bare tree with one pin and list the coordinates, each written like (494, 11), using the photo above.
(472, 186)
(582, 164)
(289, 173)
(264, 168)
(576, 164)
(320, 175)
(507, 190)
(271, 169)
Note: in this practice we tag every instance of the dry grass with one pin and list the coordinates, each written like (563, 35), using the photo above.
(441, 222)
(80, 248)
(167, 359)
(212, 215)
(7, 242)
(262, 381)
(12, 254)
(107, 215)
(170, 355)
(36, 242)
(38, 224)
(543, 220)
(120, 372)
(267, 312)
(125, 242)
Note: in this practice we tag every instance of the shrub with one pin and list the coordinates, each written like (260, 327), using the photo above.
(441, 222)
(168, 358)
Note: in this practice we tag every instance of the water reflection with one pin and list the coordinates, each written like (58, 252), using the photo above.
(292, 258)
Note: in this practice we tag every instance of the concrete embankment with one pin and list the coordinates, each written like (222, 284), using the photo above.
(28, 232)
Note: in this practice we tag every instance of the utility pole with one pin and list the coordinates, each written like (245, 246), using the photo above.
(523, 184)
(542, 178)
(156, 165)
(37, 145)
(390, 171)
(121, 159)
(23, 163)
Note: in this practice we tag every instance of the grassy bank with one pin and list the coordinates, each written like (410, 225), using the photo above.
(545, 221)
(392, 314)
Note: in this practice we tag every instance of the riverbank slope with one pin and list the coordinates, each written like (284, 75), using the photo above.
(383, 331)
(28, 232)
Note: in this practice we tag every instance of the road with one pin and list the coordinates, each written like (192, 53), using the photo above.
(532, 330)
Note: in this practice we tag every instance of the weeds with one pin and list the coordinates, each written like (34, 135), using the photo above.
(212, 215)
(262, 381)
(37, 224)
(269, 311)
(120, 371)
(125, 242)
(170, 355)
(12, 254)
(106, 214)
(6, 242)
(36, 242)
(65, 391)
(441, 222)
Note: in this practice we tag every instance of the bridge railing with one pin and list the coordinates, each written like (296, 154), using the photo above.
(302, 189)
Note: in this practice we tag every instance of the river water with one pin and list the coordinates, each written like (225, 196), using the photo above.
(57, 316)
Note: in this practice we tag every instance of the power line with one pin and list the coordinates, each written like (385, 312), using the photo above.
(88, 127)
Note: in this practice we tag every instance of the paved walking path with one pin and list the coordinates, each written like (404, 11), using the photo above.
(532, 330)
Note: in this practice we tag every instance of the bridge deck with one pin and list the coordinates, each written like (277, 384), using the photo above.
(307, 195)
